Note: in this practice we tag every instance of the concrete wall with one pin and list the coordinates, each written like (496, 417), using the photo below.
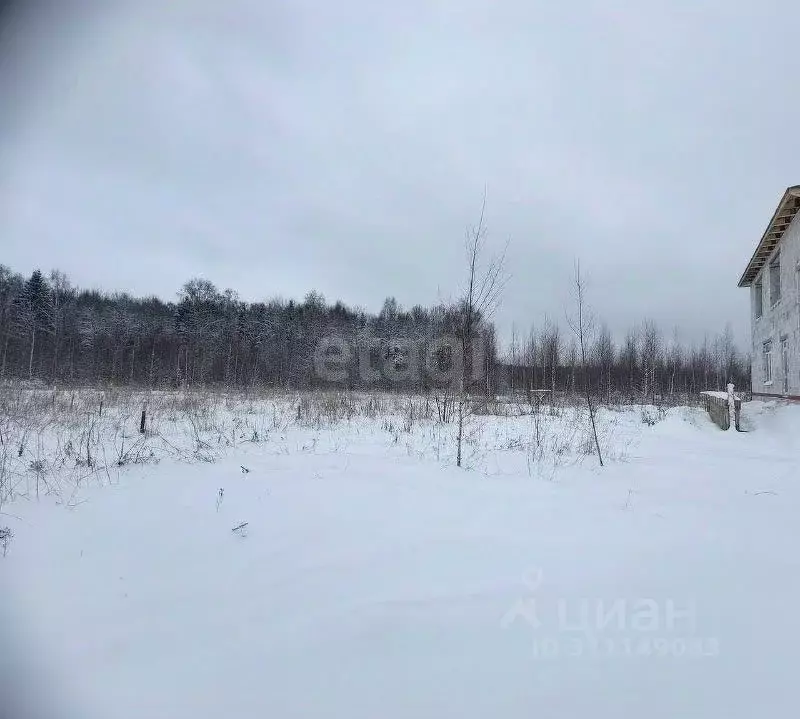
(780, 320)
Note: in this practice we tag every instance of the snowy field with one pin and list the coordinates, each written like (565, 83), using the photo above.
(375, 579)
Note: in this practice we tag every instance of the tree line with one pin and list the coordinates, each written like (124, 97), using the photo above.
(646, 366)
(52, 331)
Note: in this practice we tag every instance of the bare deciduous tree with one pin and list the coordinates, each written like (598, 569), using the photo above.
(651, 350)
(486, 279)
(581, 325)
(604, 359)
(550, 348)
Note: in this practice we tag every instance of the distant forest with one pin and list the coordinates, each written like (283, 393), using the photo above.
(53, 332)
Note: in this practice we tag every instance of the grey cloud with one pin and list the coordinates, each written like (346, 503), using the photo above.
(276, 147)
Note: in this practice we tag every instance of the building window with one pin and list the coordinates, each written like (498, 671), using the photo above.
(759, 297)
(767, 362)
(775, 279)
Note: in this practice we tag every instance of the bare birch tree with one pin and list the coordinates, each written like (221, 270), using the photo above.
(581, 326)
(651, 352)
(604, 357)
(550, 348)
(486, 278)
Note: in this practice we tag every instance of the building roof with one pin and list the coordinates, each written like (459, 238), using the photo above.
(784, 214)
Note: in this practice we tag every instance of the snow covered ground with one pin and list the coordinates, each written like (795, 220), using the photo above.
(374, 579)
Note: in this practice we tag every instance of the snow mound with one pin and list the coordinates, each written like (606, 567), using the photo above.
(779, 419)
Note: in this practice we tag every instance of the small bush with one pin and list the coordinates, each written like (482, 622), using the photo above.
(6, 535)
(587, 446)
(38, 466)
(652, 416)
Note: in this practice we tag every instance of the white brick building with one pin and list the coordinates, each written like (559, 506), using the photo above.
(773, 276)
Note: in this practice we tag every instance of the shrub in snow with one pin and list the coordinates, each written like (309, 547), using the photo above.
(38, 466)
(6, 536)
(653, 415)
(587, 446)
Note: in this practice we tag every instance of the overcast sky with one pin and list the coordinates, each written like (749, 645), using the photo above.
(278, 147)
